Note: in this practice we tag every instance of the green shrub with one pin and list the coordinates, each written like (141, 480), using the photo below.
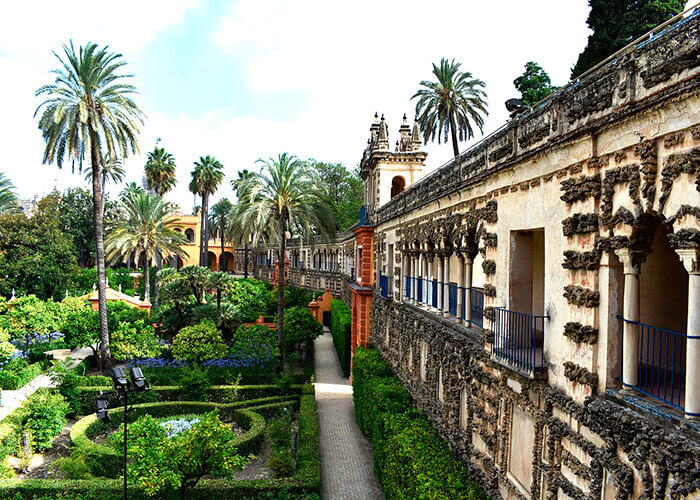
(281, 463)
(67, 381)
(300, 326)
(133, 340)
(199, 343)
(410, 458)
(43, 415)
(256, 342)
(340, 330)
(194, 385)
(17, 373)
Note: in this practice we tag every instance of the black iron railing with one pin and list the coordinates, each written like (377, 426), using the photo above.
(519, 340)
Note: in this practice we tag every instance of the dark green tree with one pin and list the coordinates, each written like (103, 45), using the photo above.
(534, 84)
(36, 256)
(344, 191)
(616, 23)
(75, 216)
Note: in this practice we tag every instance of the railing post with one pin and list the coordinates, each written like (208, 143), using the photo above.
(630, 335)
(689, 257)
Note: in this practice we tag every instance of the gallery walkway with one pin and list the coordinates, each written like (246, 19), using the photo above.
(346, 455)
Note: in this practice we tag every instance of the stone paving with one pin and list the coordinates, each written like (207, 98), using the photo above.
(346, 455)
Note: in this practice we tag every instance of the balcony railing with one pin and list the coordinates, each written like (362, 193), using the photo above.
(476, 295)
(519, 340)
(384, 285)
(661, 363)
(426, 292)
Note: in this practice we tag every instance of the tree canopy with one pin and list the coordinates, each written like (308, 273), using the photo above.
(534, 84)
(616, 23)
(343, 190)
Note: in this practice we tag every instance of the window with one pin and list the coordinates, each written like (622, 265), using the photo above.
(398, 184)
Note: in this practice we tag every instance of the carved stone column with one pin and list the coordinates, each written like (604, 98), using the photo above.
(630, 332)
(691, 262)
(446, 286)
(468, 264)
(429, 283)
(441, 280)
(460, 290)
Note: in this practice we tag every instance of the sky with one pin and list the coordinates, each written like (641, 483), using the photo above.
(249, 79)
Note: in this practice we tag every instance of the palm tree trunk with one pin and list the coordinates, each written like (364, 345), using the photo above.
(280, 293)
(204, 234)
(221, 259)
(147, 277)
(99, 250)
(159, 267)
(453, 132)
(245, 260)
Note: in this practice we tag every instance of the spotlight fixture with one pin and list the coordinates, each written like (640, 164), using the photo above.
(119, 381)
(139, 381)
(516, 106)
(101, 409)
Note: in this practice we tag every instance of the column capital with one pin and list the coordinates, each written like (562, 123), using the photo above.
(630, 263)
(690, 257)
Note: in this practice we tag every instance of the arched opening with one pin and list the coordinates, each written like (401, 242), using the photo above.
(211, 261)
(656, 365)
(227, 262)
(189, 233)
(398, 184)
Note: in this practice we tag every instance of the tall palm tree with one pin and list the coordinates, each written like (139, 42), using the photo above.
(207, 175)
(160, 177)
(237, 184)
(285, 195)
(89, 110)
(449, 106)
(112, 171)
(148, 230)
(131, 190)
(160, 171)
(218, 222)
(9, 203)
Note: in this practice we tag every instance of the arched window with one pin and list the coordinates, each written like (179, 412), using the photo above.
(190, 235)
(398, 184)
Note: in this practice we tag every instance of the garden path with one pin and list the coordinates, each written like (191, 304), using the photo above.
(12, 399)
(346, 455)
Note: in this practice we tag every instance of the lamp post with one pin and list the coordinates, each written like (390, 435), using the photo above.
(121, 386)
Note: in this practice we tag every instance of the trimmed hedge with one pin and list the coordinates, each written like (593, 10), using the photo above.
(340, 330)
(215, 394)
(14, 377)
(411, 460)
(106, 461)
(305, 483)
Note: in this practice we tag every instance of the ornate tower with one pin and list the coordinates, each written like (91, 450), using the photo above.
(387, 173)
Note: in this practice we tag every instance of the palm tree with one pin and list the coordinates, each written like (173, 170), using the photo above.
(89, 110)
(285, 195)
(237, 184)
(113, 171)
(218, 222)
(160, 171)
(206, 177)
(160, 177)
(450, 105)
(131, 190)
(9, 203)
(148, 229)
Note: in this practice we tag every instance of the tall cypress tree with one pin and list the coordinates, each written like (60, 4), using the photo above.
(615, 23)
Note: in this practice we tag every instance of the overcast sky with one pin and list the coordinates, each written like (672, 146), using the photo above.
(248, 79)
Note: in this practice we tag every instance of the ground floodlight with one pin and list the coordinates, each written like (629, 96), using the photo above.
(102, 411)
(139, 381)
(119, 380)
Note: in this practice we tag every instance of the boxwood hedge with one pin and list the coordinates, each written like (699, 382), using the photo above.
(410, 458)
